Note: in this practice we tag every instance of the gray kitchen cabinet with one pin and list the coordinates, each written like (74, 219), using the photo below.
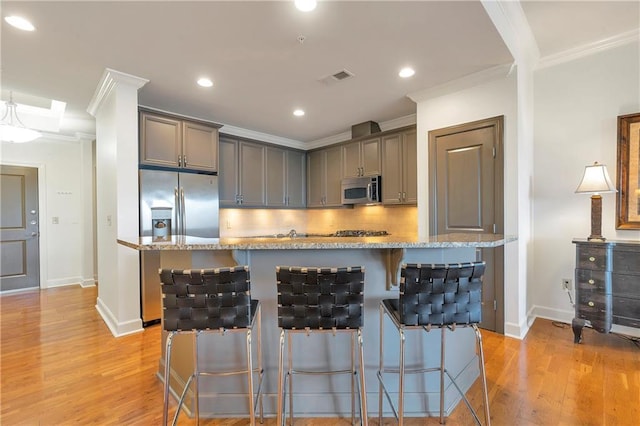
(323, 177)
(252, 174)
(399, 168)
(285, 177)
(241, 179)
(228, 187)
(172, 141)
(361, 158)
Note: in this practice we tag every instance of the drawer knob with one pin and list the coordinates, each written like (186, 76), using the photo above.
(591, 304)
(592, 282)
(592, 259)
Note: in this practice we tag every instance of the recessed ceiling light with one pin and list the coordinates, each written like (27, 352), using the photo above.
(205, 82)
(305, 5)
(298, 113)
(406, 72)
(20, 23)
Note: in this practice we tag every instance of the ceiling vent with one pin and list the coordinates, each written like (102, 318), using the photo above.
(336, 77)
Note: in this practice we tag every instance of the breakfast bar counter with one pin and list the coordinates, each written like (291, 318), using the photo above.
(381, 257)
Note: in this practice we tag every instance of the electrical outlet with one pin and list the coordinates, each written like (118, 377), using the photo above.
(566, 284)
(228, 224)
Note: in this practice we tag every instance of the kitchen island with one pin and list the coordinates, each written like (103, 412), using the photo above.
(315, 397)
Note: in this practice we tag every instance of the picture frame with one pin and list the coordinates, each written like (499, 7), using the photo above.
(628, 172)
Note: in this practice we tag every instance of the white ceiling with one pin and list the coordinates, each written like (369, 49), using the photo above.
(261, 72)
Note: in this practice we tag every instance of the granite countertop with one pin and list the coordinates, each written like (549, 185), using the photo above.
(186, 242)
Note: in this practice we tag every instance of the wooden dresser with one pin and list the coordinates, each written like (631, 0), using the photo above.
(607, 278)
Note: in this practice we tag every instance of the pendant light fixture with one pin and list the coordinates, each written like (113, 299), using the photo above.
(12, 129)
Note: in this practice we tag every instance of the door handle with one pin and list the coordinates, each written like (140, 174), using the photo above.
(34, 234)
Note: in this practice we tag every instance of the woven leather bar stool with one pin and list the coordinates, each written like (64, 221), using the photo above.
(211, 301)
(434, 296)
(320, 300)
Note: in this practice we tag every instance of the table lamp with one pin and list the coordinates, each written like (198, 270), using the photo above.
(595, 182)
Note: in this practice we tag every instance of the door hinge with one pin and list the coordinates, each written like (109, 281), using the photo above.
(495, 305)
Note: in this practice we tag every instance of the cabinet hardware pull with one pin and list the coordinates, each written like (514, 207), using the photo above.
(179, 160)
(399, 196)
(592, 259)
(591, 304)
(404, 196)
(184, 161)
(592, 282)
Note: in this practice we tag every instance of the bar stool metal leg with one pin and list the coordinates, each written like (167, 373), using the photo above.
(483, 376)
(167, 376)
(280, 411)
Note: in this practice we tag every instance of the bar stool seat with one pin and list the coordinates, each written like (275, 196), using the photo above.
(441, 296)
(320, 300)
(211, 301)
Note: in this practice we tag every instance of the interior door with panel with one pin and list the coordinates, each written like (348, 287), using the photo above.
(466, 186)
(19, 228)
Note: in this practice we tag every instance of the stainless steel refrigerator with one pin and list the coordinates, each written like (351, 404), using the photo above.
(188, 203)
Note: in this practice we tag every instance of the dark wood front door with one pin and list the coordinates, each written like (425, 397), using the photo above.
(466, 196)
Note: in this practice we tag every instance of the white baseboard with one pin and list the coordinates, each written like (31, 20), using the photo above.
(118, 329)
(61, 282)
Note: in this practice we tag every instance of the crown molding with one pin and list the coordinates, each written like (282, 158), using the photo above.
(263, 137)
(111, 78)
(589, 49)
(394, 123)
(466, 82)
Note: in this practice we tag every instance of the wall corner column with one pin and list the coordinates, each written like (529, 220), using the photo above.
(115, 107)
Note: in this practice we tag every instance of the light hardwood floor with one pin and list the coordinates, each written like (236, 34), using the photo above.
(60, 365)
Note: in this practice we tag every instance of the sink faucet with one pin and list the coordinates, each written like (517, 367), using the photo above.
(292, 234)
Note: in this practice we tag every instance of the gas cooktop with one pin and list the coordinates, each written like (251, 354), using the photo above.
(359, 233)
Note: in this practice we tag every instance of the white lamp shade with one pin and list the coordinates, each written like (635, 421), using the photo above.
(17, 134)
(595, 180)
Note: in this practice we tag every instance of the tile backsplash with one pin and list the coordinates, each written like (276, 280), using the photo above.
(397, 220)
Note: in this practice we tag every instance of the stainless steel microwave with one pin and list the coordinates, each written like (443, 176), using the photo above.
(361, 190)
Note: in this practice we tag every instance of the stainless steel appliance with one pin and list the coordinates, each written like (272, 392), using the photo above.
(172, 203)
(192, 198)
(361, 190)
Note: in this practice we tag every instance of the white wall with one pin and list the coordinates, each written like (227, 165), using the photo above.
(483, 100)
(576, 108)
(65, 191)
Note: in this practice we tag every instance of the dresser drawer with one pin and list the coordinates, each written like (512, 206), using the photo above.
(590, 257)
(625, 307)
(626, 285)
(627, 322)
(591, 280)
(595, 307)
(626, 260)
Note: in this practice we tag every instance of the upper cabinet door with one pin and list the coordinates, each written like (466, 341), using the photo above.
(199, 147)
(351, 164)
(296, 178)
(252, 174)
(392, 169)
(160, 140)
(333, 189)
(228, 172)
(276, 195)
(370, 149)
(316, 178)
(410, 167)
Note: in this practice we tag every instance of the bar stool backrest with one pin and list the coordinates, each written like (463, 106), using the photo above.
(200, 299)
(441, 294)
(320, 298)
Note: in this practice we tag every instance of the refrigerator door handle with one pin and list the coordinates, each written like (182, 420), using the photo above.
(178, 216)
(182, 213)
